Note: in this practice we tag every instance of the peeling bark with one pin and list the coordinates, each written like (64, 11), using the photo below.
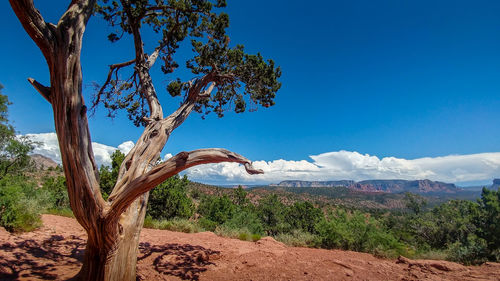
(113, 226)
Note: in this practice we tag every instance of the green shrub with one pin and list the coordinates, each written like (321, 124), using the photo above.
(244, 236)
(216, 209)
(207, 224)
(255, 237)
(473, 251)
(179, 225)
(64, 212)
(272, 212)
(303, 216)
(237, 233)
(58, 192)
(20, 204)
(245, 219)
(357, 232)
(169, 200)
(297, 238)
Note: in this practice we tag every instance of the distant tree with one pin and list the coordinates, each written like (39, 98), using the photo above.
(169, 200)
(490, 221)
(414, 202)
(272, 214)
(240, 197)
(58, 191)
(14, 150)
(224, 78)
(303, 215)
(109, 175)
(217, 209)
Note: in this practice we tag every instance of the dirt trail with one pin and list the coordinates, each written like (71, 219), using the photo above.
(54, 252)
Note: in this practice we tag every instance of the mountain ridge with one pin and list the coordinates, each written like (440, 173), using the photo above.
(387, 186)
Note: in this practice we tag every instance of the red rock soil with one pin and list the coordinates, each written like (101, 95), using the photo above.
(54, 252)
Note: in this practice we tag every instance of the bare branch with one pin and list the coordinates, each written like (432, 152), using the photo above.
(154, 55)
(196, 91)
(152, 58)
(43, 90)
(141, 64)
(114, 68)
(174, 165)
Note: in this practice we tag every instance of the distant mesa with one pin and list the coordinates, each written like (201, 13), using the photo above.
(389, 186)
(299, 183)
(42, 162)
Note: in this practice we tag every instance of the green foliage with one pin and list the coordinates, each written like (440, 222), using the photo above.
(109, 175)
(255, 237)
(207, 224)
(236, 74)
(357, 232)
(272, 214)
(216, 209)
(240, 197)
(414, 202)
(298, 238)
(303, 216)
(14, 158)
(444, 225)
(169, 200)
(56, 187)
(472, 251)
(245, 220)
(489, 221)
(21, 204)
(177, 224)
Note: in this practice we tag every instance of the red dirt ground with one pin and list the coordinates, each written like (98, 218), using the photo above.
(54, 252)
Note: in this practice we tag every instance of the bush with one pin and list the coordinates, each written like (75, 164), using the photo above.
(255, 237)
(244, 219)
(303, 216)
(297, 238)
(177, 224)
(216, 209)
(357, 232)
(473, 251)
(20, 204)
(272, 215)
(207, 224)
(56, 188)
(169, 200)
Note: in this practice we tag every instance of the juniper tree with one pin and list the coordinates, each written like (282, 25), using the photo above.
(224, 78)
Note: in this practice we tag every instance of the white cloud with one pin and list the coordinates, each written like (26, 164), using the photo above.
(49, 147)
(126, 147)
(351, 165)
(335, 165)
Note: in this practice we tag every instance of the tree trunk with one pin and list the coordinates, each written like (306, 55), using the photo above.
(119, 262)
(113, 227)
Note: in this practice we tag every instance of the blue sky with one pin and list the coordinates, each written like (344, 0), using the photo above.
(403, 79)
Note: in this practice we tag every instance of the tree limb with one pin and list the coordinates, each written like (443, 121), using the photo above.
(43, 90)
(141, 64)
(174, 165)
(196, 91)
(114, 68)
(154, 55)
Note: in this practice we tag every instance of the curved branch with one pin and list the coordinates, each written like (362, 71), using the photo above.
(196, 91)
(114, 68)
(174, 165)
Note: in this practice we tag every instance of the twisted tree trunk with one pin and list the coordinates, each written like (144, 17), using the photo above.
(113, 227)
